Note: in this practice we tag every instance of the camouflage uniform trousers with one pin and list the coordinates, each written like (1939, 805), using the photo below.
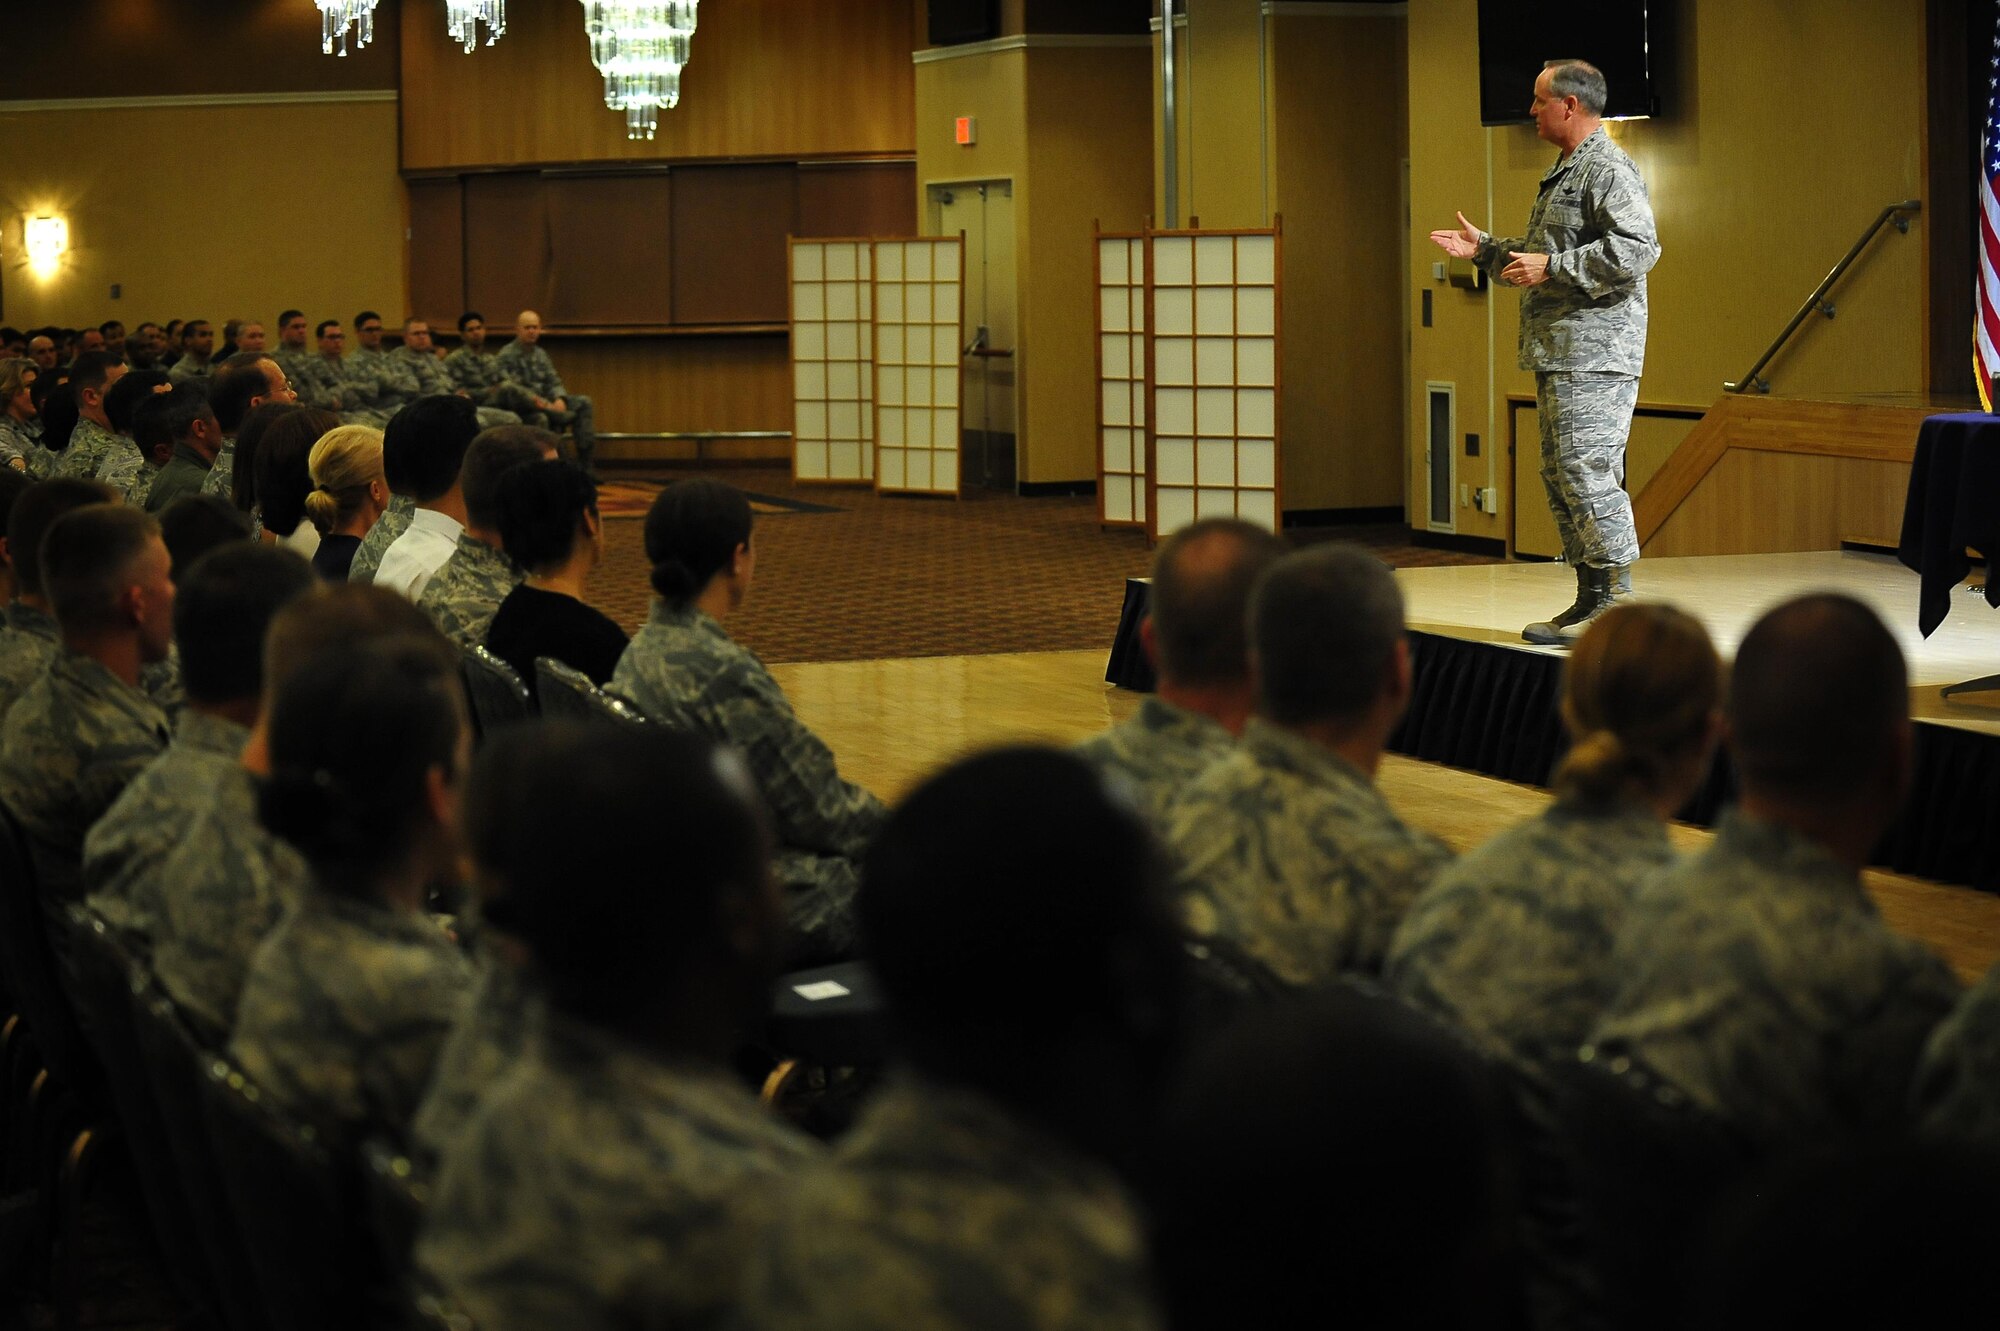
(1585, 421)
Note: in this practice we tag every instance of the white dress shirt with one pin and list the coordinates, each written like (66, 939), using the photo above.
(413, 557)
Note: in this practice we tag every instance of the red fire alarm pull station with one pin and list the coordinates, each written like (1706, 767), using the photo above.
(966, 131)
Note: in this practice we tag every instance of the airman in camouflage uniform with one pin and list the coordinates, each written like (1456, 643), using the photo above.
(216, 895)
(28, 643)
(73, 742)
(1958, 1082)
(1157, 752)
(346, 1008)
(684, 671)
(479, 374)
(1760, 979)
(1291, 852)
(89, 444)
(221, 477)
(411, 374)
(395, 520)
(498, 1018)
(1582, 265)
(528, 365)
(1512, 943)
(137, 833)
(1039, 1235)
(125, 469)
(463, 595)
(19, 440)
(600, 1187)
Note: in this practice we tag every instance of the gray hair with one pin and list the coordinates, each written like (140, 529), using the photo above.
(1579, 79)
(1324, 622)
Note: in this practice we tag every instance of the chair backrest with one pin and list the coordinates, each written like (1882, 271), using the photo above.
(176, 1066)
(832, 1016)
(566, 691)
(31, 966)
(295, 1207)
(499, 698)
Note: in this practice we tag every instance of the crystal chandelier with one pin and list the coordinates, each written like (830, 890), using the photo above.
(463, 17)
(337, 16)
(640, 47)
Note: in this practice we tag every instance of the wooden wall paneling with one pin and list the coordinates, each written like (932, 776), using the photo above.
(1826, 500)
(856, 199)
(669, 385)
(611, 247)
(730, 227)
(506, 245)
(437, 250)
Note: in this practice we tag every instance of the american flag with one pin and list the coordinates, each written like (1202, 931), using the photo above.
(1986, 317)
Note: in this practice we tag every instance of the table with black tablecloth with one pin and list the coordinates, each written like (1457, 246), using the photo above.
(1953, 505)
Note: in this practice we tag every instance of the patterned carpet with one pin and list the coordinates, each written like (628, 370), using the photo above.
(893, 576)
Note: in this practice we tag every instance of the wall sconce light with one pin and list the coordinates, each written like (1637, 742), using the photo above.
(47, 240)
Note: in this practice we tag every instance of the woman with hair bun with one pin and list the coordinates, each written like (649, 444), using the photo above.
(349, 999)
(348, 497)
(1513, 941)
(684, 671)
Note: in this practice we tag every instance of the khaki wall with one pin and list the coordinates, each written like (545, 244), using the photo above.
(189, 229)
(1779, 145)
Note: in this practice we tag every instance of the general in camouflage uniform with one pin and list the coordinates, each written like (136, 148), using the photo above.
(89, 444)
(395, 520)
(1512, 943)
(499, 1016)
(462, 595)
(1958, 1082)
(125, 469)
(1760, 979)
(684, 671)
(154, 815)
(1288, 850)
(216, 895)
(73, 742)
(529, 366)
(1157, 753)
(944, 1212)
(346, 1008)
(28, 642)
(599, 1187)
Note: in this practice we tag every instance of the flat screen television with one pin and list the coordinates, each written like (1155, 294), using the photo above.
(954, 22)
(1627, 39)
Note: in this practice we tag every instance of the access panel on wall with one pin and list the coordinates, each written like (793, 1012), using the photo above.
(1122, 470)
(833, 360)
(1212, 330)
(918, 362)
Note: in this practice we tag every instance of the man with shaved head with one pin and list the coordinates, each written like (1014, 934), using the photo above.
(529, 366)
(1759, 977)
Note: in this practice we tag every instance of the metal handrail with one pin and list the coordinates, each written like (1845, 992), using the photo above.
(1898, 213)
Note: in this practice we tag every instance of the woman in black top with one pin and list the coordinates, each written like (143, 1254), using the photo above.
(348, 496)
(549, 526)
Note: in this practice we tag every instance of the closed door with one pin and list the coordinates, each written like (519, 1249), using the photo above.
(983, 210)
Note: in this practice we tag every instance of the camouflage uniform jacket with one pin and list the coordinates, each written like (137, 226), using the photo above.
(362, 387)
(423, 370)
(295, 364)
(498, 1018)
(1157, 752)
(395, 520)
(216, 895)
(126, 470)
(1291, 853)
(684, 671)
(944, 1212)
(1512, 943)
(320, 382)
(1760, 979)
(74, 741)
(463, 594)
(221, 477)
(19, 440)
(187, 369)
(599, 1186)
(1595, 222)
(28, 642)
(345, 1010)
(88, 445)
(1958, 1082)
(531, 368)
(153, 815)
(479, 373)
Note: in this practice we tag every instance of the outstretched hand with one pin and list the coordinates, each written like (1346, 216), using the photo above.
(1460, 244)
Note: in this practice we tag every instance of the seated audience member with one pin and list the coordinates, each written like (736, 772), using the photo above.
(197, 344)
(416, 369)
(30, 639)
(1365, 1104)
(91, 378)
(550, 528)
(1513, 942)
(526, 362)
(21, 445)
(240, 485)
(128, 466)
(1958, 1082)
(684, 671)
(283, 479)
(237, 393)
(222, 608)
(1012, 1100)
(476, 372)
(55, 401)
(616, 1174)
(349, 999)
(85, 727)
(1195, 637)
(349, 494)
(195, 524)
(469, 586)
(182, 412)
(423, 449)
(1759, 977)
(1286, 847)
